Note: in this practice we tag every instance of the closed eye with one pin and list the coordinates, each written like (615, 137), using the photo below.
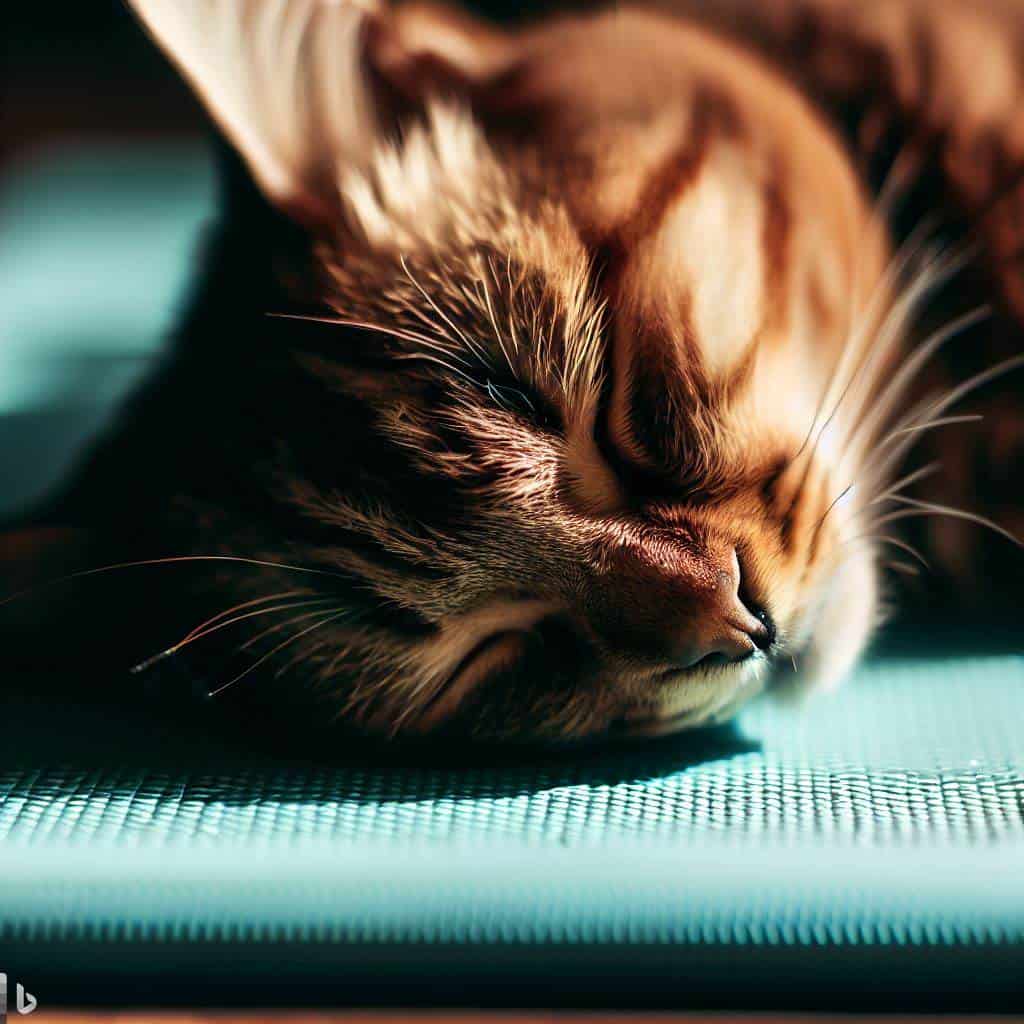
(532, 407)
(510, 398)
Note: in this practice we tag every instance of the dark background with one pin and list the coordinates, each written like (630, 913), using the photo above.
(85, 70)
(81, 71)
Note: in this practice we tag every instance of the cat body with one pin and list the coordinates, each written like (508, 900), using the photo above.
(540, 383)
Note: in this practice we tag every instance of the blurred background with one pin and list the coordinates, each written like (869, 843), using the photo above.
(105, 180)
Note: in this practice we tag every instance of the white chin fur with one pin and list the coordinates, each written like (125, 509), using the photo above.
(844, 623)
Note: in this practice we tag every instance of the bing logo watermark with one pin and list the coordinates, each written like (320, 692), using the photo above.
(24, 1002)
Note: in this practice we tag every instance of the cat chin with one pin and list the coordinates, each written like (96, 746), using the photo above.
(725, 702)
(843, 624)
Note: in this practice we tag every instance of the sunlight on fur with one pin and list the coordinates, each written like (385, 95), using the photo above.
(581, 374)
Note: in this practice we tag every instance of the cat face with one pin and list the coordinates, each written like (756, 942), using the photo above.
(592, 306)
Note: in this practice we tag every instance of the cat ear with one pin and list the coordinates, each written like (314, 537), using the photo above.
(298, 86)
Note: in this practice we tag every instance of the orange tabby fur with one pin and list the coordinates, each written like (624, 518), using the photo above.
(629, 340)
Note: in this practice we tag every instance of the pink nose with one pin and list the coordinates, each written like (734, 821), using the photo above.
(724, 631)
(713, 625)
(685, 613)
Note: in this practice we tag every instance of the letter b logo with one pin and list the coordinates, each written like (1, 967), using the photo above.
(25, 1002)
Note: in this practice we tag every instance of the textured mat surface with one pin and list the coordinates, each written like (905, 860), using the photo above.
(874, 839)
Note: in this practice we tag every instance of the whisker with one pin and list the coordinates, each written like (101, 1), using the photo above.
(494, 319)
(894, 447)
(904, 567)
(942, 421)
(893, 272)
(886, 538)
(172, 560)
(904, 169)
(977, 381)
(279, 626)
(933, 274)
(909, 370)
(245, 604)
(471, 345)
(424, 357)
(935, 407)
(928, 277)
(266, 657)
(401, 333)
(926, 509)
(199, 632)
(821, 522)
(148, 663)
(249, 615)
(295, 659)
(888, 196)
(906, 481)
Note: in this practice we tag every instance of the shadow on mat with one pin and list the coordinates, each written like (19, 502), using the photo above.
(227, 755)
(241, 761)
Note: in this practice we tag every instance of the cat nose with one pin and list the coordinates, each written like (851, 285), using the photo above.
(696, 614)
(729, 634)
(723, 628)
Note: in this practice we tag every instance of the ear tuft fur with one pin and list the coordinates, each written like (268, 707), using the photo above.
(284, 81)
(295, 85)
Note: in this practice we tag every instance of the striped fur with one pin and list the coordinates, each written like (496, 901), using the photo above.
(586, 330)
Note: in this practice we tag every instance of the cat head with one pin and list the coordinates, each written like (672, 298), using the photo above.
(594, 309)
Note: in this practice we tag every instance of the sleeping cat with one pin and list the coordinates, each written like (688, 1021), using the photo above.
(556, 381)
